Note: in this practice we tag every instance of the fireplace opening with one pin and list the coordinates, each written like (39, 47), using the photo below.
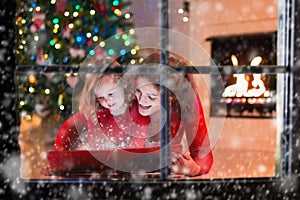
(245, 95)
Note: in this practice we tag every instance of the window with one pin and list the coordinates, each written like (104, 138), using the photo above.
(285, 144)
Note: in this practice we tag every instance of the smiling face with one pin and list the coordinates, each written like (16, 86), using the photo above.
(110, 95)
(148, 97)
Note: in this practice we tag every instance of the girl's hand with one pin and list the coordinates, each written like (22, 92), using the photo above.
(184, 164)
(46, 170)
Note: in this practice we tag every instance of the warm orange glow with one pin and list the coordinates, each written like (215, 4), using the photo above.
(240, 88)
(234, 60)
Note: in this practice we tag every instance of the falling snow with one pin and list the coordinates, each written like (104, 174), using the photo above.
(237, 174)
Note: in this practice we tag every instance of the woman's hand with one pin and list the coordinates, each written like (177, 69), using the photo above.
(184, 164)
(46, 170)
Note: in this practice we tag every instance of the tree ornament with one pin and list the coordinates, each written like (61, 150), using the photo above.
(38, 22)
(66, 32)
(41, 110)
(40, 58)
(31, 79)
(72, 80)
(100, 6)
(99, 54)
(60, 6)
(77, 53)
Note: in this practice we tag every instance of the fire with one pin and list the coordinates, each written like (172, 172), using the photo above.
(240, 88)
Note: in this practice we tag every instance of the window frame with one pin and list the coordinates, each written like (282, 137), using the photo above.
(282, 186)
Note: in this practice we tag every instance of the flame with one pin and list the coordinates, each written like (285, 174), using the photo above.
(234, 60)
(240, 88)
(256, 61)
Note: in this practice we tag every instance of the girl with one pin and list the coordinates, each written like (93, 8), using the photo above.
(105, 115)
(185, 117)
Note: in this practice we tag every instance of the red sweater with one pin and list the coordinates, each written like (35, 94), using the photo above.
(74, 131)
(110, 132)
(127, 130)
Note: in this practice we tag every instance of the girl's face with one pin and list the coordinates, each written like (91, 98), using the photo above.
(110, 94)
(148, 97)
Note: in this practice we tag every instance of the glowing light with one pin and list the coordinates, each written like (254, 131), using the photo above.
(123, 52)
(133, 51)
(115, 3)
(78, 38)
(96, 29)
(36, 37)
(53, 1)
(89, 43)
(117, 37)
(23, 21)
(57, 46)
(31, 90)
(38, 9)
(92, 12)
(127, 16)
(33, 5)
(23, 42)
(137, 47)
(75, 14)
(180, 11)
(132, 61)
(102, 44)
(71, 26)
(20, 32)
(47, 91)
(126, 43)
(141, 60)
(95, 38)
(32, 57)
(61, 107)
(55, 30)
(256, 61)
(56, 26)
(67, 13)
(77, 7)
(124, 36)
(185, 19)
(46, 56)
(55, 20)
(28, 117)
(88, 35)
(52, 42)
(131, 31)
(22, 103)
(21, 47)
(234, 60)
(111, 52)
(118, 12)
(31, 79)
(240, 88)
(92, 52)
(65, 60)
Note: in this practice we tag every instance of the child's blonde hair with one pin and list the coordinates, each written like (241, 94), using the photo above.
(88, 103)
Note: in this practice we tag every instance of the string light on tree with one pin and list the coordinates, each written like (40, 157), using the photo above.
(62, 32)
(185, 11)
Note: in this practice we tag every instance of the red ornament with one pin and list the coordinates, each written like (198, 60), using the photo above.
(40, 58)
(38, 22)
(60, 6)
(100, 6)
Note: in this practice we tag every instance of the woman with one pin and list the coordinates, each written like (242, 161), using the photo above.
(186, 116)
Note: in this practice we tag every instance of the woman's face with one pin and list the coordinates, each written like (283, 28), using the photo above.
(148, 97)
(110, 94)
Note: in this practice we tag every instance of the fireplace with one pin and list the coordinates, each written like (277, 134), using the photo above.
(245, 95)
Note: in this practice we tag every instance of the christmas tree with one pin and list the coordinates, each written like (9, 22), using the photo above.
(64, 32)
